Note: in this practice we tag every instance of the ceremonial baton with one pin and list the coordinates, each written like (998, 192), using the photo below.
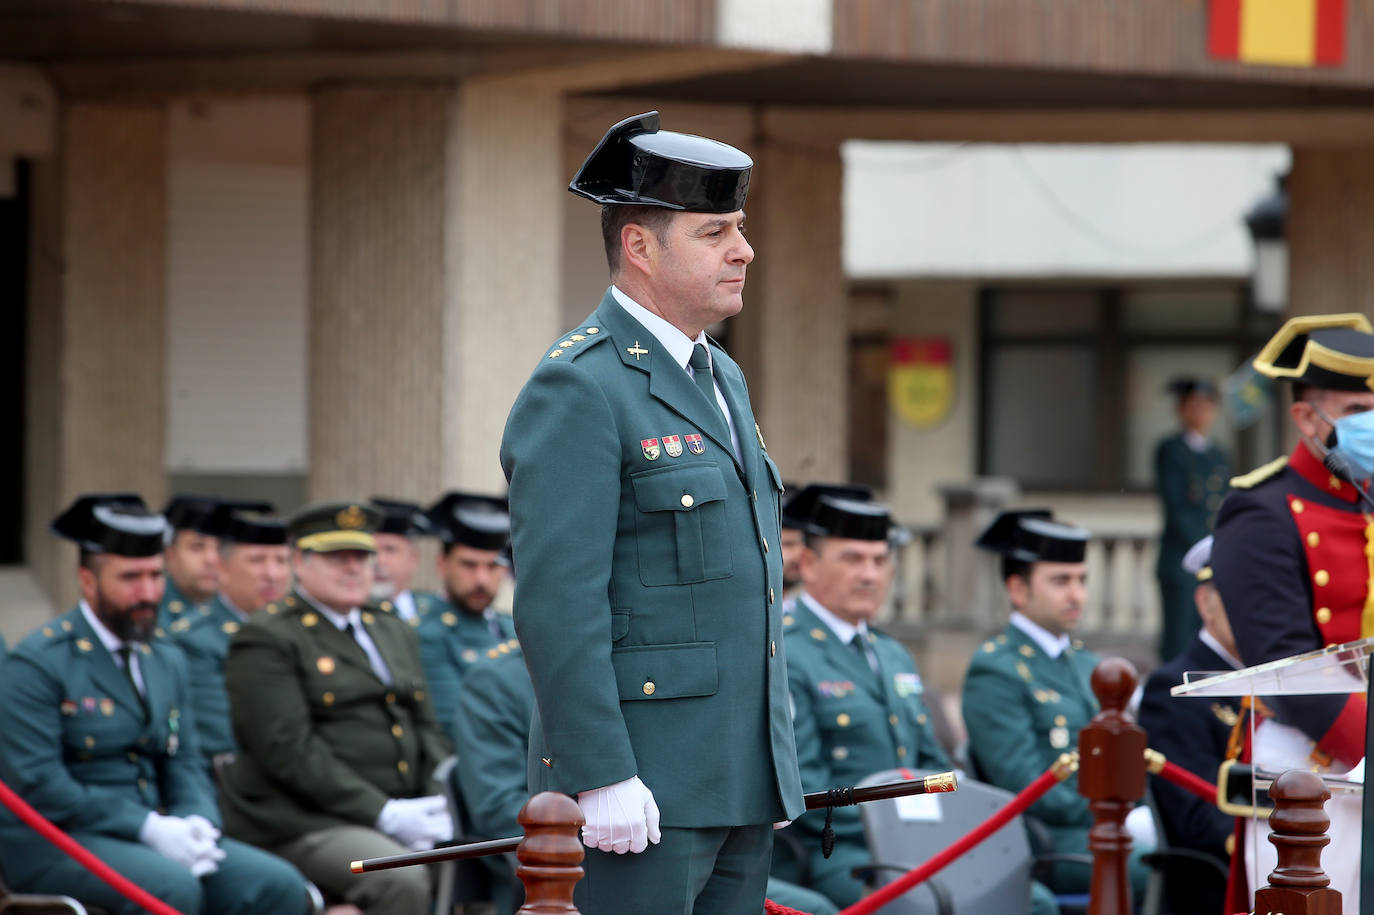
(940, 783)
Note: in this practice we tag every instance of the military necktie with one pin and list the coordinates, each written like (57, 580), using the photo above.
(860, 644)
(125, 652)
(701, 373)
(374, 657)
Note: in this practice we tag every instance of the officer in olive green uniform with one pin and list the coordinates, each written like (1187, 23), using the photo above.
(1027, 693)
(644, 512)
(338, 741)
(1191, 474)
(203, 636)
(455, 633)
(96, 732)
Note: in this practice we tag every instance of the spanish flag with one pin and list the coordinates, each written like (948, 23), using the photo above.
(1291, 33)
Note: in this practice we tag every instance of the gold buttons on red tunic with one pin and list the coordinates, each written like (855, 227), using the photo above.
(1323, 615)
(1322, 577)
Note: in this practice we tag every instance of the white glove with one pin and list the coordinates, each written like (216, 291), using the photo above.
(417, 822)
(185, 841)
(781, 824)
(621, 817)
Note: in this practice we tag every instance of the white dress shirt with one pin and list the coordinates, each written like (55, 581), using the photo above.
(404, 602)
(1051, 645)
(113, 644)
(680, 347)
(360, 635)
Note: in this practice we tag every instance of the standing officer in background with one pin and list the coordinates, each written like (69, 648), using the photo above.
(1190, 474)
(645, 518)
(398, 556)
(97, 733)
(1194, 733)
(256, 572)
(337, 738)
(855, 691)
(457, 630)
(192, 554)
(1289, 558)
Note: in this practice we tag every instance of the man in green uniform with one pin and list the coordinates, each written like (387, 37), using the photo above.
(337, 737)
(455, 632)
(855, 691)
(398, 556)
(96, 732)
(1191, 474)
(192, 554)
(644, 510)
(255, 574)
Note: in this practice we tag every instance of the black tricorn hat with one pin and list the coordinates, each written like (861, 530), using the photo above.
(799, 507)
(1324, 351)
(118, 523)
(1032, 535)
(400, 517)
(187, 512)
(481, 522)
(850, 519)
(1186, 385)
(254, 528)
(636, 163)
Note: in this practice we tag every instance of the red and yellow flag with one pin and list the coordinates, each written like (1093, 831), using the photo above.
(920, 379)
(1292, 33)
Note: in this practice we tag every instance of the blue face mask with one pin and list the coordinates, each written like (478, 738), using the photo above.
(1355, 440)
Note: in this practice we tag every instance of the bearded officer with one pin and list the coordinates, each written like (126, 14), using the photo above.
(398, 556)
(1290, 560)
(338, 741)
(255, 574)
(856, 692)
(96, 732)
(646, 536)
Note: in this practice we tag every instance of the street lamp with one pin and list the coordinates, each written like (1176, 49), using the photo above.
(1266, 222)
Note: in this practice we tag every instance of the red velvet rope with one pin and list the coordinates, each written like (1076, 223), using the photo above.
(777, 908)
(120, 884)
(1018, 805)
(1189, 782)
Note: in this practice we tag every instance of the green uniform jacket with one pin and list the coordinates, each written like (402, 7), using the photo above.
(451, 641)
(323, 742)
(75, 743)
(850, 723)
(650, 580)
(491, 733)
(427, 602)
(203, 636)
(174, 604)
(1023, 709)
(1191, 487)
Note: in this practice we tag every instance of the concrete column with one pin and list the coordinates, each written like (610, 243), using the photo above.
(1330, 235)
(95, 382)
(793, 334)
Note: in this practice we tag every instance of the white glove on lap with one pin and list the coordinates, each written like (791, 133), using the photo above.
(190, 841)
(621, 817)
(417, 822)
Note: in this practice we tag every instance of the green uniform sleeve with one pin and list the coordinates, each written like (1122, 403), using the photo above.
(441, 672)
(491, 732)
(31, 758)
(1006, 749)
(561, 455)
(185, 783)
(272, 723)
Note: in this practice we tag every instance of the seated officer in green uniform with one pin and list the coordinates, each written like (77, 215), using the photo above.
(96, 732)
(192, 554)
(455, 632)
(855, 691)
(398, 556)
(337, 738)
(645, 530)
(255, 574)
(1027, 692)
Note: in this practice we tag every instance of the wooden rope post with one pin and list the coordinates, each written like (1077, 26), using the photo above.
(1111, 775)
(550, 855)
(1298, 885)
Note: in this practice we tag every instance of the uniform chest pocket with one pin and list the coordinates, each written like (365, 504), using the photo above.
(680, 526)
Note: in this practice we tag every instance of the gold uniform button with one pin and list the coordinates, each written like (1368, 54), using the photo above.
(1297, 506)
(1060, 721)
(649, 688)
(328, 698)
(770, 595)
(1027, 651)
(772, 648)
(90, 741)
(133, 757)
(390, 698)
(1322, 578)
(397, 730)
(593, 330)
(1313, 538)
(920, 719)
(687, 500)
(892, 720)
(901, 752)
(142, 784)
(765, 544)
(403, 767)
(1324, 615)
(842, 719)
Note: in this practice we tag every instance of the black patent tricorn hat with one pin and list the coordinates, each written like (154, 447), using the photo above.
(1032, 535)
(115, 523)
(638, 164)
